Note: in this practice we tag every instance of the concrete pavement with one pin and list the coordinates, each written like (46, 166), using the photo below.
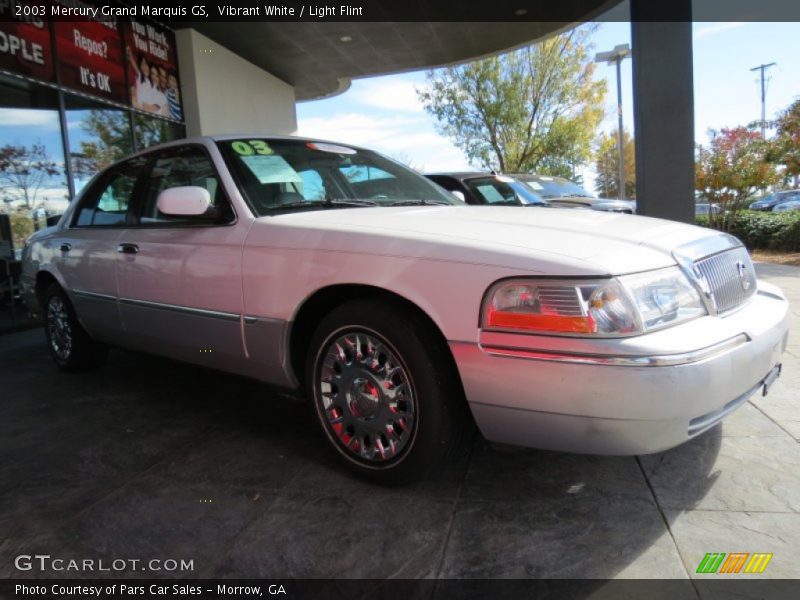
(147, 458)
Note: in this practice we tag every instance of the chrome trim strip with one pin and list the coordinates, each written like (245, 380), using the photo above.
(198, 312)
(764, 292)
(214, 314)
(665, 360)
(705, 422)
(94, 295)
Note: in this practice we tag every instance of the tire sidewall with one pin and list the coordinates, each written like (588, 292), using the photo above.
(85, 352)
(56, 292)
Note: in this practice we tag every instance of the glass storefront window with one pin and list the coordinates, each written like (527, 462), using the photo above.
(33, 182)
(149, 131)
(99, 135)
(33, 175)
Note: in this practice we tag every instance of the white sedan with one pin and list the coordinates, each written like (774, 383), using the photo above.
(399, 312)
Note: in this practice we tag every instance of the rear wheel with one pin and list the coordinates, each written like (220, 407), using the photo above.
(70, 346)
(385, 391)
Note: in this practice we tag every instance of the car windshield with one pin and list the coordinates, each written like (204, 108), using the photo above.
(551, 187)
(290, 175)
(503, 190)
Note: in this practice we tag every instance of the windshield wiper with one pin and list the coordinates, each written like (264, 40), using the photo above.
(327, 203)
(417, 203)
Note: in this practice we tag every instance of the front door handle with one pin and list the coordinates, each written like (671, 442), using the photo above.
(65, 247)
(128, 248)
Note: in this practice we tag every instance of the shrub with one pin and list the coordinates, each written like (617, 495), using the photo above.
(764, 230)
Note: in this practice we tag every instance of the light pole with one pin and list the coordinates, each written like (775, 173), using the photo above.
(617, 55)
(763, 68)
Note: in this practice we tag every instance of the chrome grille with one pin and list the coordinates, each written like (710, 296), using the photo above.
(730, 277)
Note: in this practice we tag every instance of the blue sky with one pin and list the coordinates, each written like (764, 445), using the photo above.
(383, 113)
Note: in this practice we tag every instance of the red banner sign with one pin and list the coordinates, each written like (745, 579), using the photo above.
(90, 58)
(25, 44)
(131, 62)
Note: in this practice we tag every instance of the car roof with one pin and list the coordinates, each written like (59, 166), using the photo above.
(198, 139)
(461, 174)
(524, 176)
(781, 193)
(202, 139)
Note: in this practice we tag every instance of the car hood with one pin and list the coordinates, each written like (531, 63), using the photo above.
(591, 201)
(579, 242)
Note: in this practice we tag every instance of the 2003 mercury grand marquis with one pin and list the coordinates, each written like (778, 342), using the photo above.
(402, 312)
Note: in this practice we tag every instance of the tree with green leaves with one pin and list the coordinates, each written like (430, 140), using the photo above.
(734, 165)
(786, 143)
(23, 172)
(533, 109)
(110, 138)
(607, 165)
(109, 141)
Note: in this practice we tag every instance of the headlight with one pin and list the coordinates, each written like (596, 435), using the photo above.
(622, 306)
(664, 297)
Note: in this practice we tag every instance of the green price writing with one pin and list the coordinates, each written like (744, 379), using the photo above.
(251, 147)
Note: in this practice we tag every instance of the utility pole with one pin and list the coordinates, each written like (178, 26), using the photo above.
(617, 55)
(763, 68)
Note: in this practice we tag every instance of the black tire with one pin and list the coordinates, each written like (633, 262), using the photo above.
(400, 353)
(70, 346)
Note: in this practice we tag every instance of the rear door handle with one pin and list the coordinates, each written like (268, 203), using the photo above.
(128, 248)
(65, 247)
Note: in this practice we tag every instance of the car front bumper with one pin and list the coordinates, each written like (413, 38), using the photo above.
(623, 396)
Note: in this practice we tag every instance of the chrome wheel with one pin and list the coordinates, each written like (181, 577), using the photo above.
(59, 328)
(365, 396)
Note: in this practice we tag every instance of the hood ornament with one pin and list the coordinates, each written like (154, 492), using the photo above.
(744, 276)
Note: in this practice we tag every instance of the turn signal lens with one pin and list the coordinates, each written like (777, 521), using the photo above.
(512, 320)
(612, 311)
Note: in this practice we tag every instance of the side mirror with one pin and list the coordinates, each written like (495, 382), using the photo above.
(184, 201)
(459, 194)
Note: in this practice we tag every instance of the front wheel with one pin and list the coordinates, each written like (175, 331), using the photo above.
(385, 391)
(70, 345)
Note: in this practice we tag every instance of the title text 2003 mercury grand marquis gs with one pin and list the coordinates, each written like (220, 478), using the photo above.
(401, 312)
